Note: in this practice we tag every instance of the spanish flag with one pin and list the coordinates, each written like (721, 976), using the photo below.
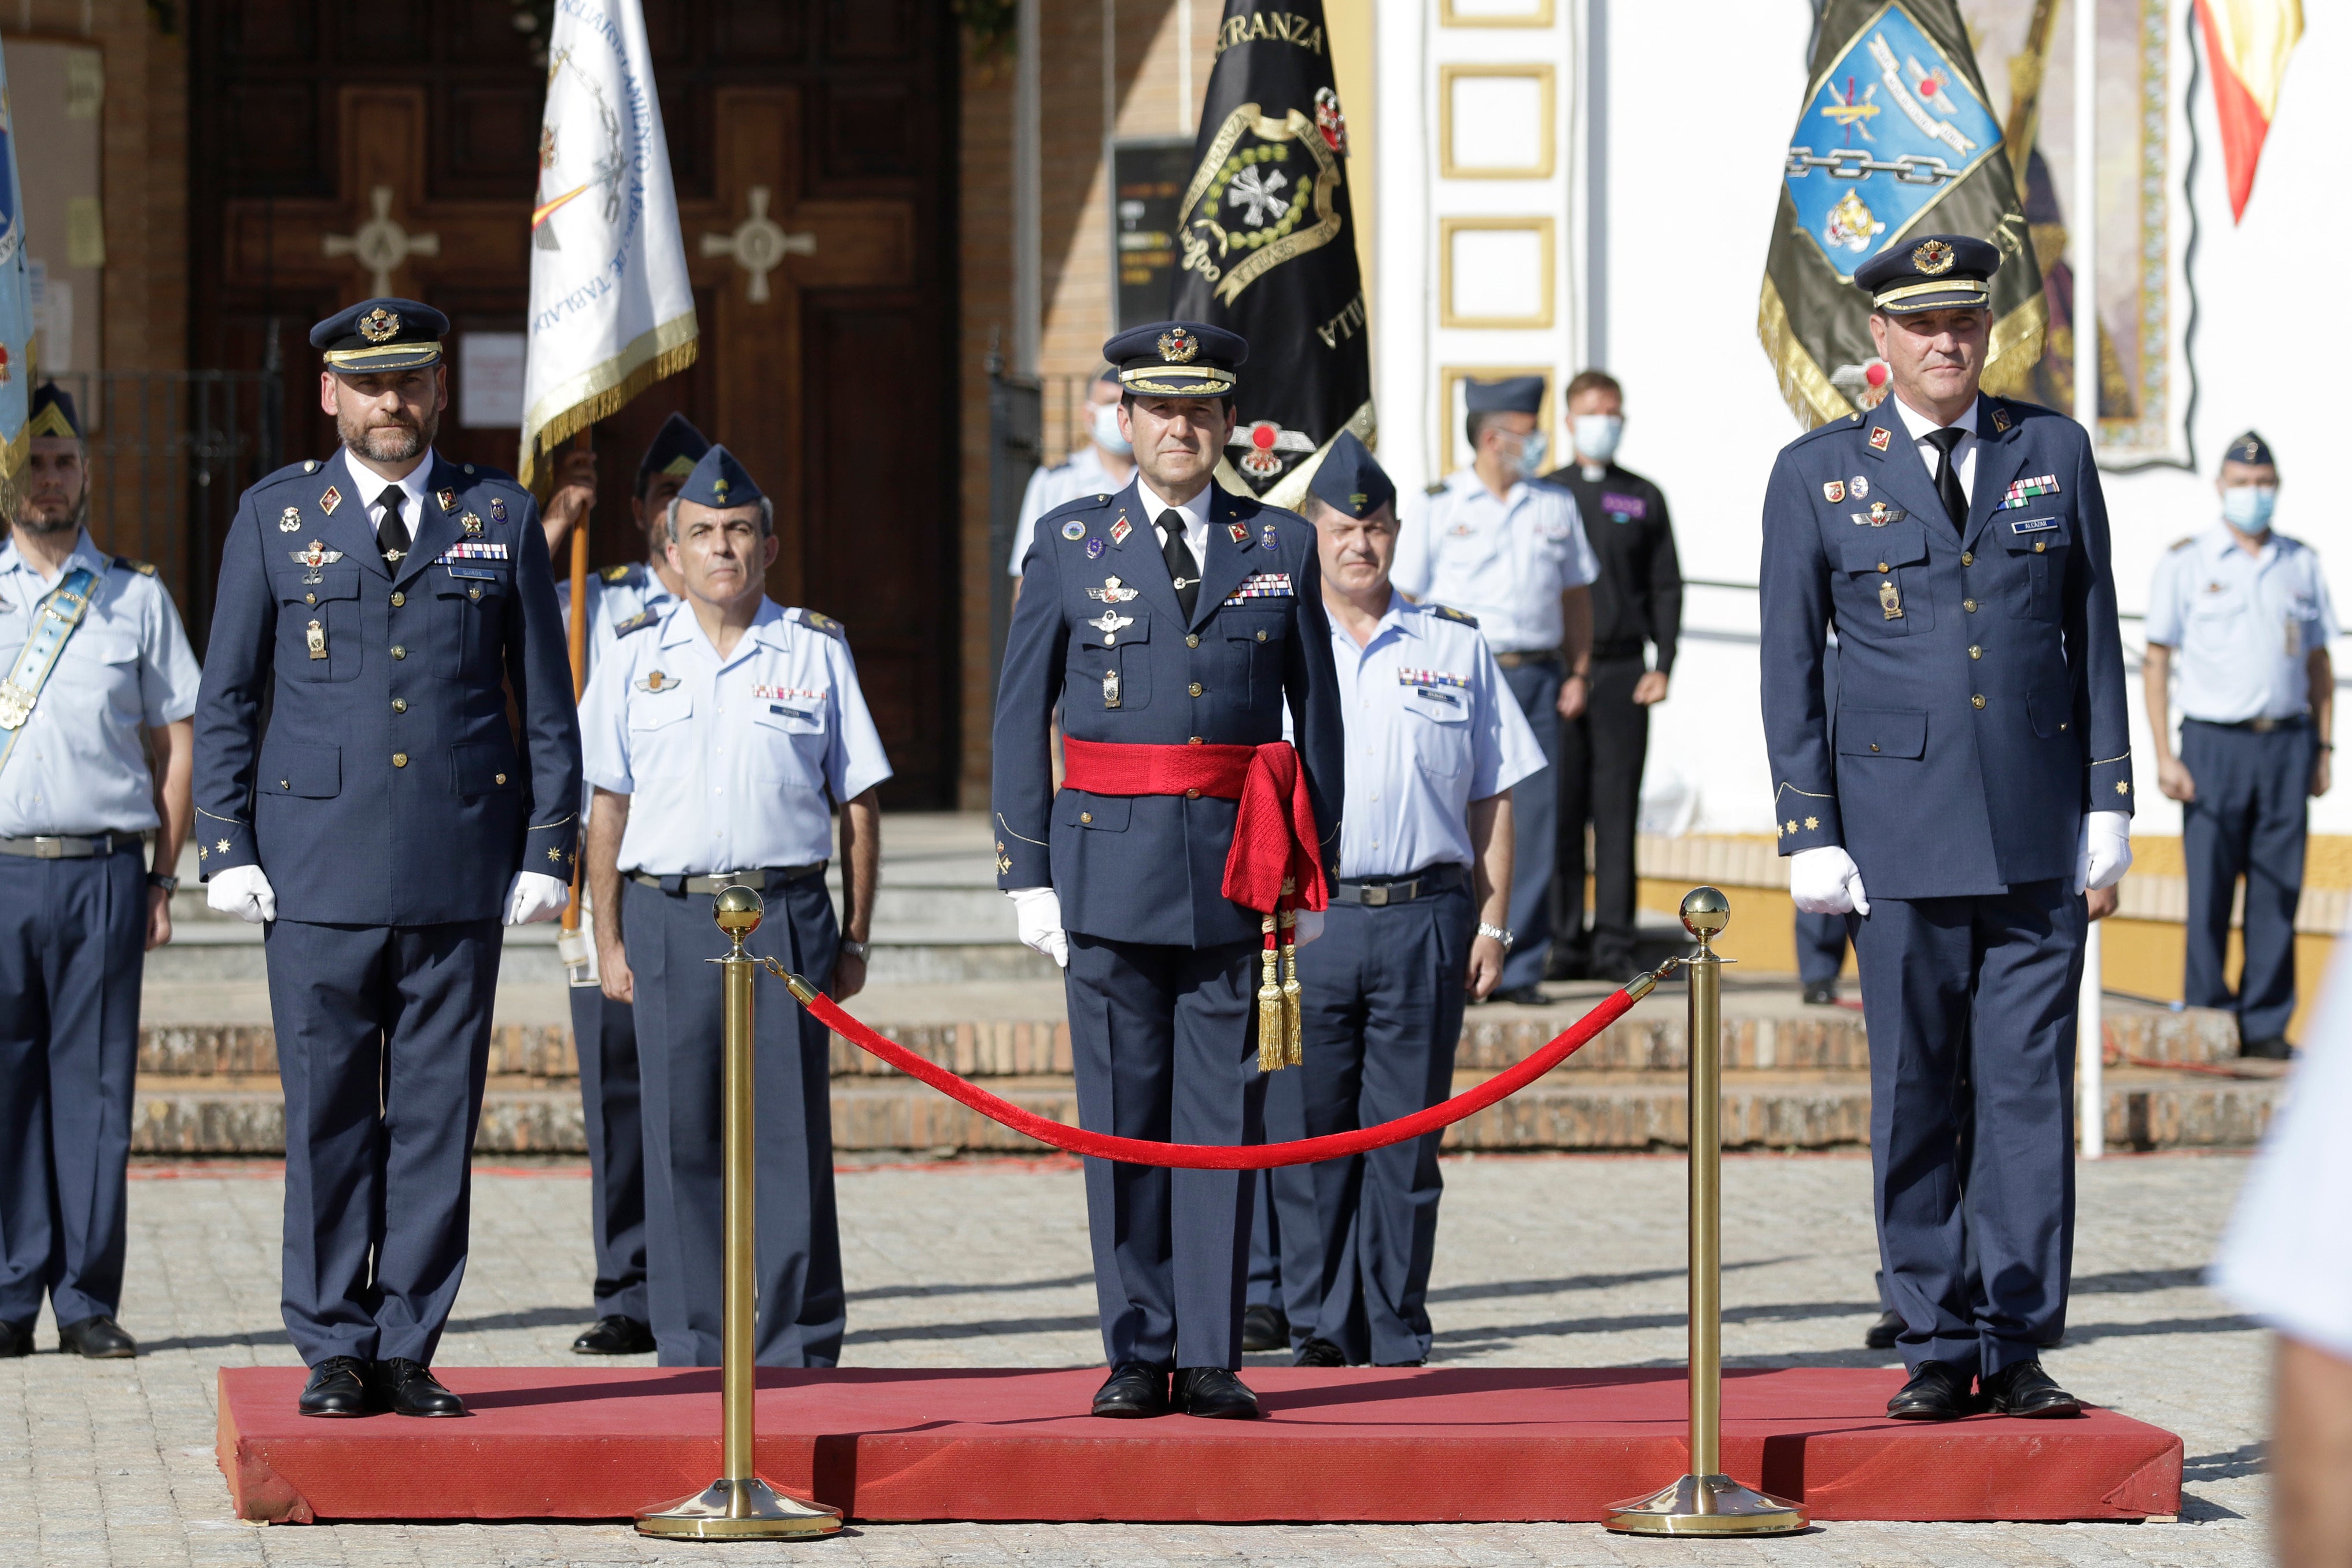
(2246, 45)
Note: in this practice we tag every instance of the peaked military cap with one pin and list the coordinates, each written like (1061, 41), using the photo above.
(677, 447)
(1512, 394)
(53, 415)
(377, 335)
(1178, 359)
(2247, 448)
(1933, 272)
(717, 480)
(1350, 479)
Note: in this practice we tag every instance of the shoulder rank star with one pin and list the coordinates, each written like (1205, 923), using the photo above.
(614, 574)
(1112, 592)
(289, 522)
(448, 499)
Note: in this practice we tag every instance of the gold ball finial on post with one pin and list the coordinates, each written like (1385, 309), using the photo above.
(737, 911)
(1705, 911)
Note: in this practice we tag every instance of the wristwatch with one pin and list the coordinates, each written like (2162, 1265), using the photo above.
(1498, 933)
(853, 948)
(168, 883)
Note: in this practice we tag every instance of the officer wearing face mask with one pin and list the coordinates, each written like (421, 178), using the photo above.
(1513, 553)
(2245, 612)
(1102, 466)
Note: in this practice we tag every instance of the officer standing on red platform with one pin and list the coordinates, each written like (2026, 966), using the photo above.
(1171, 623)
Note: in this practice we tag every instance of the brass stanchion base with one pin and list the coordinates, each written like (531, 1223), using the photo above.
(1707, 1505)
(738, 1510)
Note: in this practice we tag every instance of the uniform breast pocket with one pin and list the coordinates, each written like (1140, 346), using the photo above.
(1255, 640)
(1438, 721)
(1883, 590)
(470, 602)
(2037, 550)
(661, 743)
(111, 663)
(1110, 659)
(788, 742)
(318, 624)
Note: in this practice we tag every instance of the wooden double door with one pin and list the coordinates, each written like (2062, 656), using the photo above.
(344, 148)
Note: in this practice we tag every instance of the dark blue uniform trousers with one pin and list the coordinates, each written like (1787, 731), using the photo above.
(1535, 824)
(1821, 947)
(604, 1038)
(72, 942)
(2247, 821)
(1383, 999)
(680, 1012)
(383, 1036)
(1971, 1007)
(1163, 1040)
(1266, 1241)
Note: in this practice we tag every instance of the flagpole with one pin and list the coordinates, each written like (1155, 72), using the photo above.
(576, 645)
(2090, 1042)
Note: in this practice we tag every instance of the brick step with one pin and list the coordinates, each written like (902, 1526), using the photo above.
(1590, 1111)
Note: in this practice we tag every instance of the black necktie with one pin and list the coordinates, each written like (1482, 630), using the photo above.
(392, 534)
(1183, 569)
(1948, 474)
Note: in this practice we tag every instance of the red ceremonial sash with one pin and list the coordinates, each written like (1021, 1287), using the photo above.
(1274, 838)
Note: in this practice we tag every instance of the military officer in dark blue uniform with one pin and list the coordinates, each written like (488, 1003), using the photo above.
(1974, 780)
(360, 794)
(1167, 616)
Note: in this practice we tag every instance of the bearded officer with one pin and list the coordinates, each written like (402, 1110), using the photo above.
(93, 655)
(1172, 624)
(605, 1030)
(1958, 545)
(360, 794)
(722, 733)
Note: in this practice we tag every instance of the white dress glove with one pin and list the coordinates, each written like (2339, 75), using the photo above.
(1037, 912)
(2103, 851)
(534, 896)
(1826, 882)
(1310, 927)
(242, 891)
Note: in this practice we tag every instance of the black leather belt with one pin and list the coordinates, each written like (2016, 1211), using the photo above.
(1539, 657)
(53, 847)
(2256, 726)
(1378, 891)
(761, 880)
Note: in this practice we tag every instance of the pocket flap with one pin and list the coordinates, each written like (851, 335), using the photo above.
(1254, 627)
(483, 768)
(1903, 543)
(311, 772)
(1100, 813)
(659, 710)
(2033, 535)
(1881, 732)
(1114, 624)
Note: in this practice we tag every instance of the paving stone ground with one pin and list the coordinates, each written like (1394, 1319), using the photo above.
(1568, 1260)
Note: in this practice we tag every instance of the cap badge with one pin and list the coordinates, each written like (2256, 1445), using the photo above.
(1177, 346)
(1932, 258)
(379, 325)
(718, 491)
(1832, 490)
(290, 520)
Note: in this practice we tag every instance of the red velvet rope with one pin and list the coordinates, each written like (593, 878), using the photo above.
(1214, 1157)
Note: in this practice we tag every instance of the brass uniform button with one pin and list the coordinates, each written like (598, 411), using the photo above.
(1193, 740)
(400, 704)
(1977, 699)
(473, 593)
(1191, 794)
(400, 759)
(398, 652)
(499, 777)
(1086, 816)
(1882, 566)
(1874, 746)
(1194, 689)
(1974, 652)
(310, 599)
(1968, 557)
(1192, 639)
(1970, 605)
(2040, 547)
(398, 599)
(1261, 636)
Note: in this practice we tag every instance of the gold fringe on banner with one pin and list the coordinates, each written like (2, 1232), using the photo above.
(1804, 385)
(603, 391)
(2015, 348)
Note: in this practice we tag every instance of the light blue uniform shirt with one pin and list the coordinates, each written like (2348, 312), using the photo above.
(1081, 474)
(613, 599)
(1504, 561)
(734, 763)
(1431, 728)
(2241, 625)
(80, 765)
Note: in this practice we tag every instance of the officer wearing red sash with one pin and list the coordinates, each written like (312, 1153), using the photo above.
(1172, 624)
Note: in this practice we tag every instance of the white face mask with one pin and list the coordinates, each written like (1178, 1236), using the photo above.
(1533, 448)
(1597, 435)
(2248, 506)
(1105, 431)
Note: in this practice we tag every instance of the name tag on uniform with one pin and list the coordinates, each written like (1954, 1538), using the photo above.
(1261, 585)
(475, 573)
(2033, 525)
(473, 549)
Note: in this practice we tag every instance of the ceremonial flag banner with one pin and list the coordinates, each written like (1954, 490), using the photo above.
(1896, 138)
(1269, 246)
(611, 309)
(2246, 45)
(16, 306)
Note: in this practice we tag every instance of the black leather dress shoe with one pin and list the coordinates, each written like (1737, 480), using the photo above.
(1134, 1390)
(338, 1386)
(1522, 995)
(16, 1340)
(1320, 1352)
(2272, 1048)
(2025, 1389)
(98, 1338)
(1214, 1393)
(1265, 1328)
(409, 1388)
(1936, 1392)
(1882, 1335)
(1821, 996)
(615, 1334)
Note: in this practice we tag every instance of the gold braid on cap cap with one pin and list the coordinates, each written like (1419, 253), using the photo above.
(1942, 286)
(50, 423)
(361, 359)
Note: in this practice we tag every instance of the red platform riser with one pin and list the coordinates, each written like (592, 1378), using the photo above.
(1406, 1445)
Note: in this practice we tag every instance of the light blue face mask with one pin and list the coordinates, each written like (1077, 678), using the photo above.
(1532, 449)
(1106, 429)
(1597, 435)
(2249, 507)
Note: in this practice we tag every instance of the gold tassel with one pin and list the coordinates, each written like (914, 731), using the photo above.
(1294, 1025)
(1269, 1005)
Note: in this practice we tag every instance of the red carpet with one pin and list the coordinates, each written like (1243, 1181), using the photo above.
(1420, 1444)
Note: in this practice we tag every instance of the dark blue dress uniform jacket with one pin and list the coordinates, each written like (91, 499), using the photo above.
(1151, 868)
(388, 788)
(1975, 728)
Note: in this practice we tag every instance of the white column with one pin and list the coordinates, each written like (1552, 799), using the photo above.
(2090, 1101)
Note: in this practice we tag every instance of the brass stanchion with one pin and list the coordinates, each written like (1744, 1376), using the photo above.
(737, 1505)
(1706, 1502)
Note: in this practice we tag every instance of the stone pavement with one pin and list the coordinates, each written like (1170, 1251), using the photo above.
(1543, 1260)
